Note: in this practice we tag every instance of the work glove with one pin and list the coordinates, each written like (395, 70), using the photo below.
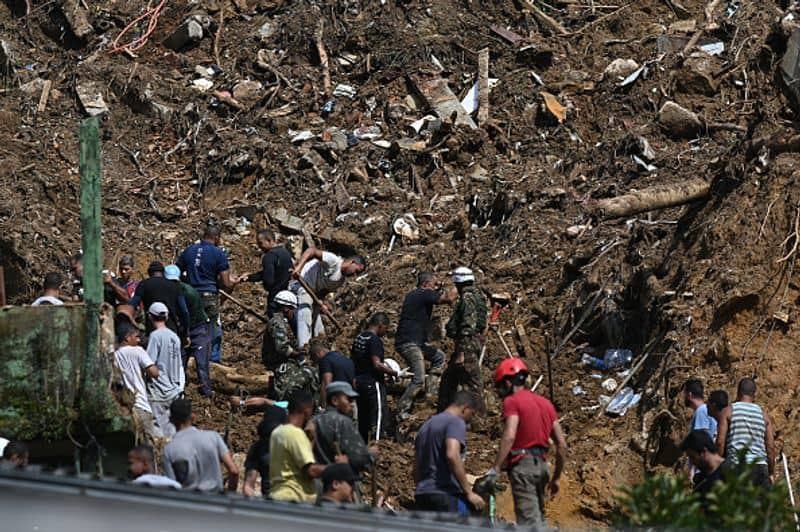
(405, 373)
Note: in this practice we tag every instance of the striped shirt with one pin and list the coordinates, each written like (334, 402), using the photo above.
(747, 430)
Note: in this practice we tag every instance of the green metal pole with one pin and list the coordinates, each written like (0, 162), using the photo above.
(92, 244)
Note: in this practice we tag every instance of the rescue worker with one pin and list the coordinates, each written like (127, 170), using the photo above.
(530, 422)
(276, 266)
(291, 371)
(412, 337)
(466, 327)
(324, 273)
(334, 431)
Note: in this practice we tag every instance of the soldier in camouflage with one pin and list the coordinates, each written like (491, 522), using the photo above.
(290, 370)
(466, 327)
(335, 433)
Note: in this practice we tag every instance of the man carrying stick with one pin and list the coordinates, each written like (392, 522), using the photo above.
(323, 273)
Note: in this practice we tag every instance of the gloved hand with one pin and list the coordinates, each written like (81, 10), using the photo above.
(405, 373)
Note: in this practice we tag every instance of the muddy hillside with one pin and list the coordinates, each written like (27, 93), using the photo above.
(631, 182)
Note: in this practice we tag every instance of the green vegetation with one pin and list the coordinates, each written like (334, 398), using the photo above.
(667, 502)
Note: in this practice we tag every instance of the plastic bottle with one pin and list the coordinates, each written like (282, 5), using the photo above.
(588, 360)
(615, 358)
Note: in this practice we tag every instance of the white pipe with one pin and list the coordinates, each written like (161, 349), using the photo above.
(791, 491)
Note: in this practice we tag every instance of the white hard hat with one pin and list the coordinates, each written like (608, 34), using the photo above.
(392, 363)
(286, 298)
(462, 274)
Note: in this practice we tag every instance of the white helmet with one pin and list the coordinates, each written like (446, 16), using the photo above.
(286, 298)
(462, 274)
(392, 363)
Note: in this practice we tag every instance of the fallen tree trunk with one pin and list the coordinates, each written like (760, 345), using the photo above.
(776, 144)
(650, 199)
(226, 380)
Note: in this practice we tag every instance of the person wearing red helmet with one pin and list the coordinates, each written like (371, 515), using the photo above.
(530, 422)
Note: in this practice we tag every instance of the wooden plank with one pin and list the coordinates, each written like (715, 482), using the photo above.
(44, 96)
(441, 99)
(524, 341)
(483, 86)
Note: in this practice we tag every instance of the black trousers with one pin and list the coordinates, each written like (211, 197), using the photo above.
(374, 418)
(441, 502)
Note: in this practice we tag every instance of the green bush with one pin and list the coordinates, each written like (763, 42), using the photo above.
(667, 502)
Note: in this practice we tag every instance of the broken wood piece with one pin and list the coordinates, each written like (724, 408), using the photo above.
(323, 56)
(776, 144)
(227, 380)
(342, 196)
(440, 98)
(554, 106)
(541, 16)
(508, 35)
(44, 96)
(524, 341)
(658, 197)
(483, 86)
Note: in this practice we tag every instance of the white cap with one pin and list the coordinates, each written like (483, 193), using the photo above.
(158, 309)
(286, 298)
(462, 274)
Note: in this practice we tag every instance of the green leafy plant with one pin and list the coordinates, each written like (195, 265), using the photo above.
(666, 502)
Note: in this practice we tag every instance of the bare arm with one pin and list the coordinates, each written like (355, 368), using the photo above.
(314, 470)
(151, 371)
(561, 455)
(453, 450)
(227, 281)
(506, 441)
(449, 297)
(327, 378)
(119, 291)
(233, 471)
(308, 254)
(769, 443)
(381, 367)
(722, 430)
(249, 488)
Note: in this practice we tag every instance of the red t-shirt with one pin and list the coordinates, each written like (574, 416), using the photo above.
(536, 417)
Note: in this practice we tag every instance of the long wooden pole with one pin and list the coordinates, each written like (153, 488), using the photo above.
(91, 237)
(319, 302)
(244, 306)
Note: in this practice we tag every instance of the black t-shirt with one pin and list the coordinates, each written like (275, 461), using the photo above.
(165, 291)
(258, 459)
(274, 274)
(338, 364)
(415, 317)
(703, 483)
(365, 346)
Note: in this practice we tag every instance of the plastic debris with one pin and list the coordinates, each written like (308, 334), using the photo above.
(470, 101)
(609, 385)
(623, 402)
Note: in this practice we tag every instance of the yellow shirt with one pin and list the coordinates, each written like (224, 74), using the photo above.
(289, 452)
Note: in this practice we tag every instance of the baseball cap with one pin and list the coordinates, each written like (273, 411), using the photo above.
(341, 387)
(158, 309)
(340, 472)
(172, 272)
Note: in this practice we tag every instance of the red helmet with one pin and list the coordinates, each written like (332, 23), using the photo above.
(509, 368)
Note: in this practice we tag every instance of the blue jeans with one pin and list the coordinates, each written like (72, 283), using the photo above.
(200, 348)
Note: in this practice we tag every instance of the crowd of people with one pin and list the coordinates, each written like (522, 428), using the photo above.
(326, 410)
(723, 436)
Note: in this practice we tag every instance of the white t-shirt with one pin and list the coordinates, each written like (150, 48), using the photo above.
(47, 300)
(156, 481)
(324, 276)
(164, 347)
(132, 361)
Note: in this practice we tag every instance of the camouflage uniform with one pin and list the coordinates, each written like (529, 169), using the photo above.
(334, 428)
(466, 327)
(277, 347)
(291, 373)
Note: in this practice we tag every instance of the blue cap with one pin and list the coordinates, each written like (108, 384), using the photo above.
(172, 273)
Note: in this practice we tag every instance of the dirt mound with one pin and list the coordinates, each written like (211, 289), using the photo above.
(592, 102)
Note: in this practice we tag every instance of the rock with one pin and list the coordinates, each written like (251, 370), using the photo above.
(620, 68)
(77, 18)
(248, 92)
(90, 95)
(266, 30)
(697, 75)
(790, 71)
(191, 31)
(679, 121)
